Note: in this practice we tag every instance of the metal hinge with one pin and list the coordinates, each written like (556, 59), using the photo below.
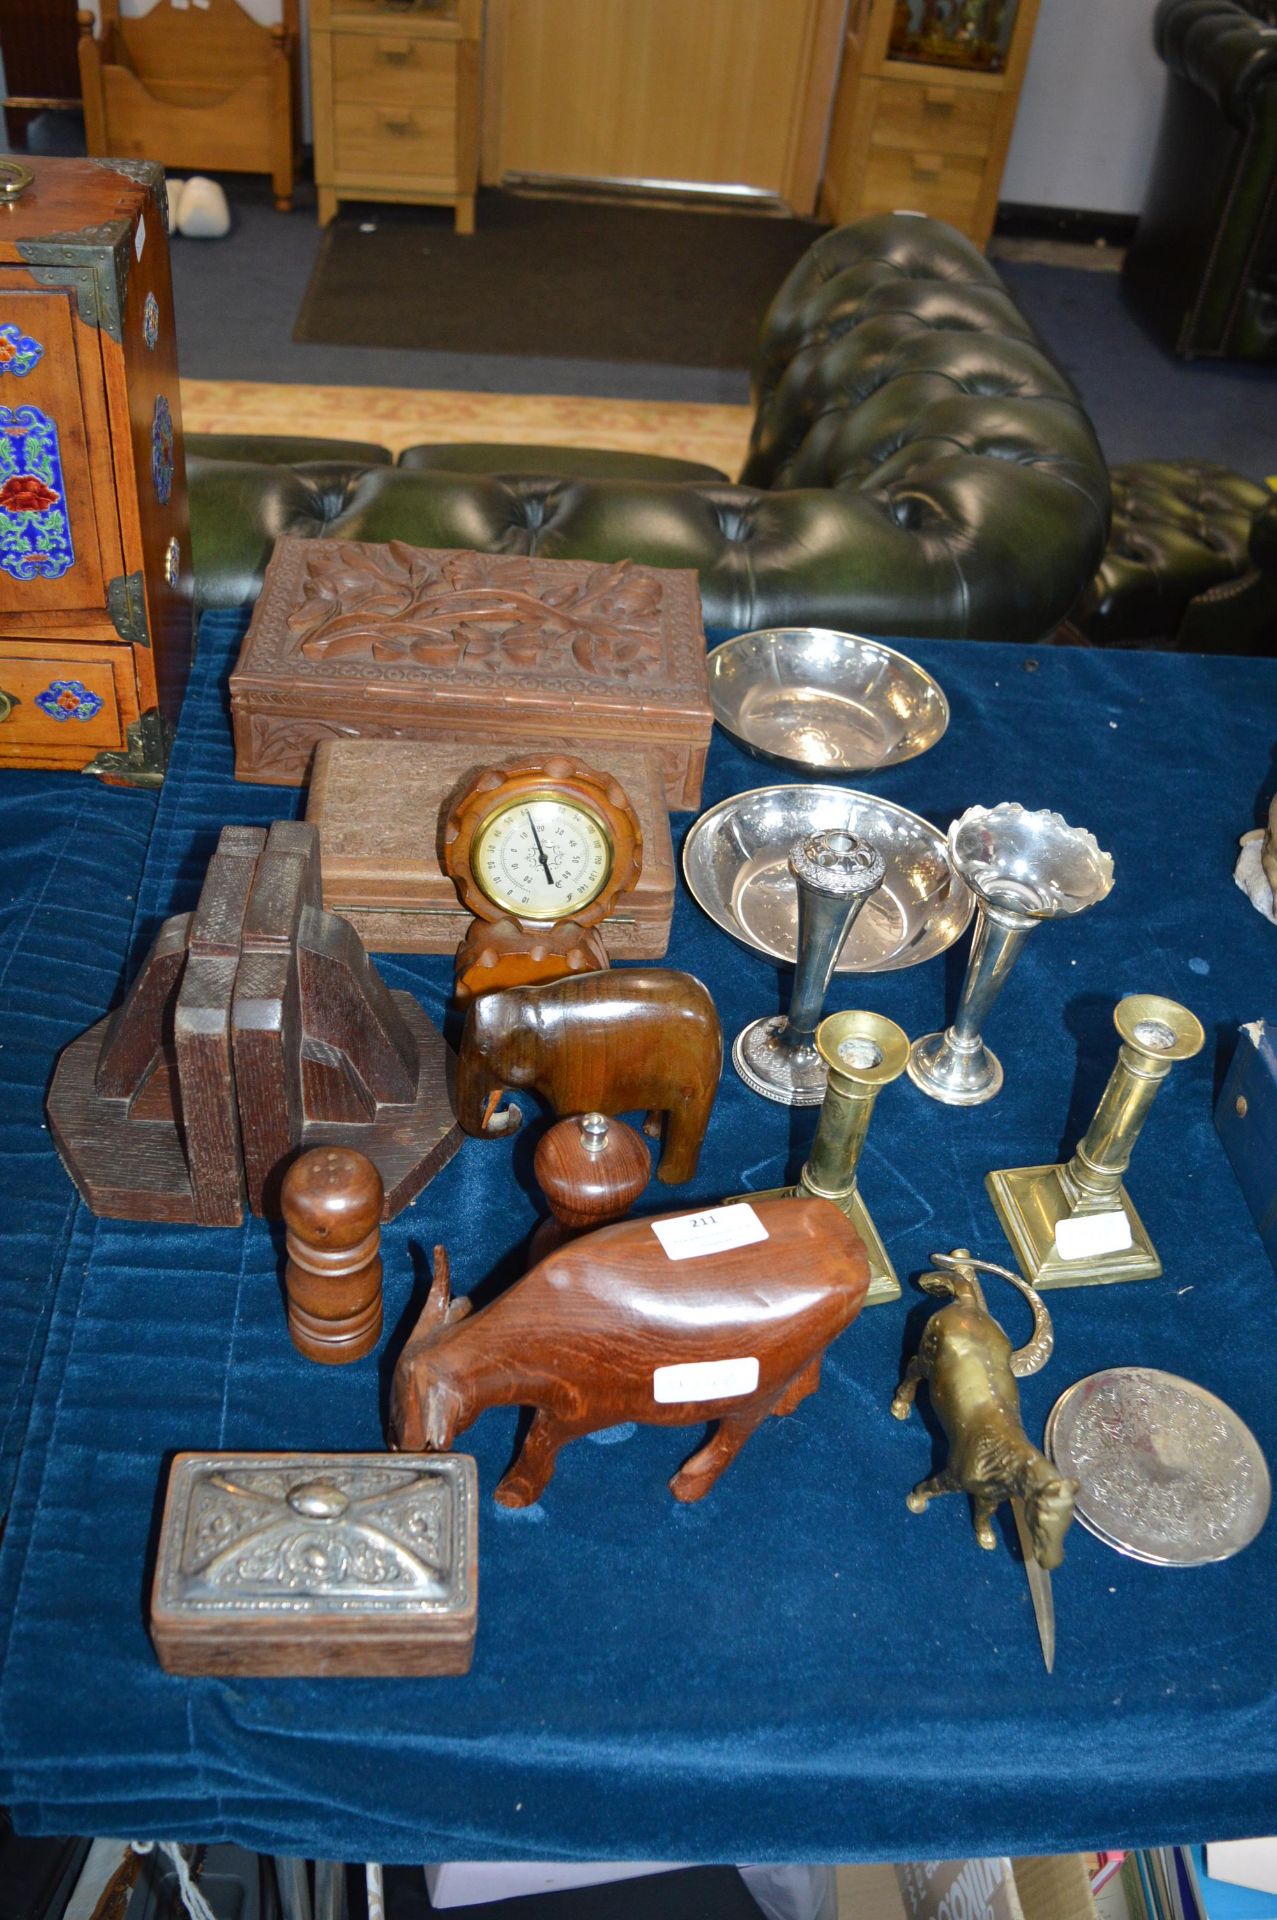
(126, 604)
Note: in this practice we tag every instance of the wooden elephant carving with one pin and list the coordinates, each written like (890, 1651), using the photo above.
(645, 1038)
(612, 1327)
(967, 1362)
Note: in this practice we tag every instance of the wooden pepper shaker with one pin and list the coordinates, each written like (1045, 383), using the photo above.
(591, 1169)
(332, 1199)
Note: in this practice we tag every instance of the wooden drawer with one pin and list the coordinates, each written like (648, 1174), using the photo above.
(396, 142)
(434, 13)
(923, 180)
(66, 707)
(393, 70)
(935, 117)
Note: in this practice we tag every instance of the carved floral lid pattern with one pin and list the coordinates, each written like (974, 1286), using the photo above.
(401, 602)
(476, 622)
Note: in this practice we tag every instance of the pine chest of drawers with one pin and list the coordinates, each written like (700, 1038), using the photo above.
(95, 606)
(395, 102)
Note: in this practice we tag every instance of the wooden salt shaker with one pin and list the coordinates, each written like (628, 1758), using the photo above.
(591, 1169)
(332, 1199)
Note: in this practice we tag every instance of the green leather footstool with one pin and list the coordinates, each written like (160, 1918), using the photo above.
(1178, 559)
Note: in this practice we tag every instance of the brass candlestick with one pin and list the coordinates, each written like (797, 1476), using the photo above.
(1075, 1225)
(862, 1053)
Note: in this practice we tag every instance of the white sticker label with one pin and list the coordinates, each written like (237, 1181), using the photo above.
(139, 238)
(704, 1380)
(717, 1230)
(1090, 1233)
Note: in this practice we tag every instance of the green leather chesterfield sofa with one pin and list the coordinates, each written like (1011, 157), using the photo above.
(1202, 269)
(918, 465)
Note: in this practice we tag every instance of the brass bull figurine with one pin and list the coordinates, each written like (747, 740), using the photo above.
(970, 1368)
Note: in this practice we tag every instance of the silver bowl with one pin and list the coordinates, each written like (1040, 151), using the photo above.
(736, 864)
(808, 697)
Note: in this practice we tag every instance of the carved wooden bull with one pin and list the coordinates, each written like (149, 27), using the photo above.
(610, 1328)
(970, 1369)
(642, 1039)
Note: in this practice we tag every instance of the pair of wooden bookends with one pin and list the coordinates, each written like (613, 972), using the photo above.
(256, 1027)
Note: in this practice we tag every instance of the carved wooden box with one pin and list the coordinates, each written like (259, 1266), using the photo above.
(95, 608)
(380, 862)
(317, 1563)
(405, 643)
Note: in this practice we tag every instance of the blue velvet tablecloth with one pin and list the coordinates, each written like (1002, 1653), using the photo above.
(797, 1668)
(71, 854)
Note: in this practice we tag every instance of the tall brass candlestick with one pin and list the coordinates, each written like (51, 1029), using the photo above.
(862, 1053)
(1074, 1225)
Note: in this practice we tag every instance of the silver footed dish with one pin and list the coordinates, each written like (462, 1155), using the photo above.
(736, 864)
(828, 702)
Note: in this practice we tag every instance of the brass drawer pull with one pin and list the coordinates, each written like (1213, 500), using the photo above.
(942, 98)
(14, 179)
(927, 164)
(8, 701)
(395, 52)
(401, 124)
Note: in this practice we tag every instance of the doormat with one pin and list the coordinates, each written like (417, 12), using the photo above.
(554, 279)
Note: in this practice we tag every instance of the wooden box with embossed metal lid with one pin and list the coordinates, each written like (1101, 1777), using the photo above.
(317, 1563)
(95, 609)
(408, 643)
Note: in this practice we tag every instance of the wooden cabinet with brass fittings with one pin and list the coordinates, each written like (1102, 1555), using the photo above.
(395, 102)
(924, 109)
(95, 607)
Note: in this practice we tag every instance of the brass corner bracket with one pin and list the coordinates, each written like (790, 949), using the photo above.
(142, 762)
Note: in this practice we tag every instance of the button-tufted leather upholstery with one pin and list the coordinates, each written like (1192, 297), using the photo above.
(1241, 615)
(919, 465)
(1181, 528)
(1220, 46)
(1202, 268)
(577, 463)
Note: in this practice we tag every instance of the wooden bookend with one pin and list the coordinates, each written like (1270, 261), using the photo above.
(256, 1027)
(266, 1020)
(202, 1031)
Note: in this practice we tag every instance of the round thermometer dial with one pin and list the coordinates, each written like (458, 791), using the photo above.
(544, 841)
(542, 857)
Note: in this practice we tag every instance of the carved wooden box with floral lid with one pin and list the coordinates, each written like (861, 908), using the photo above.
(396, 642)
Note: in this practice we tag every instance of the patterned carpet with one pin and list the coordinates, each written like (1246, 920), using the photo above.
(398, 417)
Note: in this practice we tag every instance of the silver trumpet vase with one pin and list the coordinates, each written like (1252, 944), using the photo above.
(1023, 868)
(836, 872)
